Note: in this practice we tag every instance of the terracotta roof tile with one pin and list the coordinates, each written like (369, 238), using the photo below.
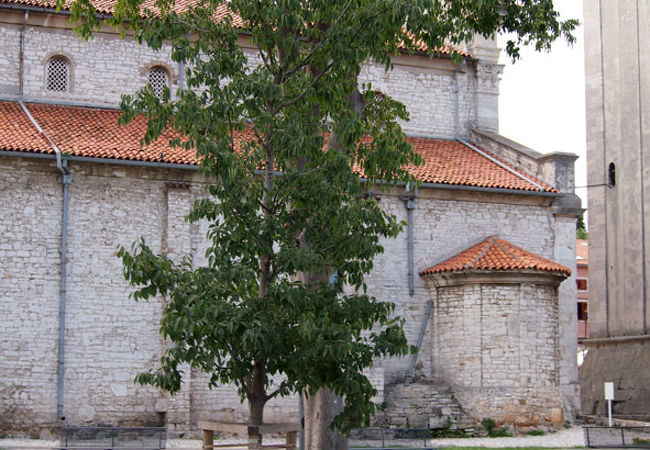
(494, 254)
(85, 132)
(452, 162)
(107, 7)
(93, 132)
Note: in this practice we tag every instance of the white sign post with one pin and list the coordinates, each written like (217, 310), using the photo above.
(609, 396)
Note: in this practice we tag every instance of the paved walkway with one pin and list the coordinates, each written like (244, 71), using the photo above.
(565, 438)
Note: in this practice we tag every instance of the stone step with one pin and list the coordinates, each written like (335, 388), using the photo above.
(422, 405)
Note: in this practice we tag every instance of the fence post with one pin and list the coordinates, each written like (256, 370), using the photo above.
(623, 436)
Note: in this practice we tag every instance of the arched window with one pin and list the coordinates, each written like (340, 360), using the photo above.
(611, 175)
(158, 79)
(58, 75)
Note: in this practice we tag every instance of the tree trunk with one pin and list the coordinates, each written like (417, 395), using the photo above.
(320, 410)
(256, 401)
(255, 416)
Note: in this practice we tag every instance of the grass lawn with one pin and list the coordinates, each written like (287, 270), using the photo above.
(505, 448)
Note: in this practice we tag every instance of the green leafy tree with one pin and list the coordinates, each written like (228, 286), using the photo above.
(283, 129)
(581, 228)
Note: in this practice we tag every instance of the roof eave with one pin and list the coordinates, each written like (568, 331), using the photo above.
(195, 167)
(45, 10)
(473, 276)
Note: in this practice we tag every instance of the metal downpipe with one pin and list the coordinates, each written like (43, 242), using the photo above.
(181, 76)
(457, 95)
(410, 206)
(21, 69)
(409, 202)
(66, 179)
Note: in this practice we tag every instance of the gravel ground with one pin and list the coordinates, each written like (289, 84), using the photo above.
(565, 438)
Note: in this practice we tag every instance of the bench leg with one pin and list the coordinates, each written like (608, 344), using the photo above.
(208, 439)
(291, 440)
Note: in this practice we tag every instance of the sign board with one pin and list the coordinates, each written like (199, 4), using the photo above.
(609, 391)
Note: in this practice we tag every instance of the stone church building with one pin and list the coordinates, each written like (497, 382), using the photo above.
(483, 278)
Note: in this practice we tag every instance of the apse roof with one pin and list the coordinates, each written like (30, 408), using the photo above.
(494, 254)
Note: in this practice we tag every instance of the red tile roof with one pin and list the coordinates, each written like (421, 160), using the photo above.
(87, 132)
(452, 162)
(107, 7)
(94, 132)
(494, 254)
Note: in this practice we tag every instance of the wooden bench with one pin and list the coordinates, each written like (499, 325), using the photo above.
(290, 430)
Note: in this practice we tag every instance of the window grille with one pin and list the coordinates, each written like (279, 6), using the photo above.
(158, 80)
(57, 75)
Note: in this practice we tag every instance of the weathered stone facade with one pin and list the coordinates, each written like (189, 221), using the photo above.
(109, 338)
(496, 343)
(617, 86)
(104, 68)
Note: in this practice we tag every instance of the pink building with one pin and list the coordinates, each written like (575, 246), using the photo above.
(582, 280)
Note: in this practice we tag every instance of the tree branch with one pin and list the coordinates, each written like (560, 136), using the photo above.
(304, 92)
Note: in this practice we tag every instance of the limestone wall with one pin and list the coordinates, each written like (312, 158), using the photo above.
(617, 64)
(101, 70)
(446, 223)
(105, 67)
(625, 363)
(428, 90)
(496, 344)
(29, 282)
(9, 61)
(617, 89)
(110, 338)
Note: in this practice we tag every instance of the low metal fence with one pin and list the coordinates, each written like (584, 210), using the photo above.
(391, 438)
(109, 438)
(622, 437)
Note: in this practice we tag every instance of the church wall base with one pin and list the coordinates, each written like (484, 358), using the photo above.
(625, 363)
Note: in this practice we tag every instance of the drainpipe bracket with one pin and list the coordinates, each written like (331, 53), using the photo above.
(66, 178)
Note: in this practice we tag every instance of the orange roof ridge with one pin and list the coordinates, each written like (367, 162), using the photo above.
(507, 251)
(490, 240)
(494, 254)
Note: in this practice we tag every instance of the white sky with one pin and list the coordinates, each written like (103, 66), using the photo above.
(542, 97)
